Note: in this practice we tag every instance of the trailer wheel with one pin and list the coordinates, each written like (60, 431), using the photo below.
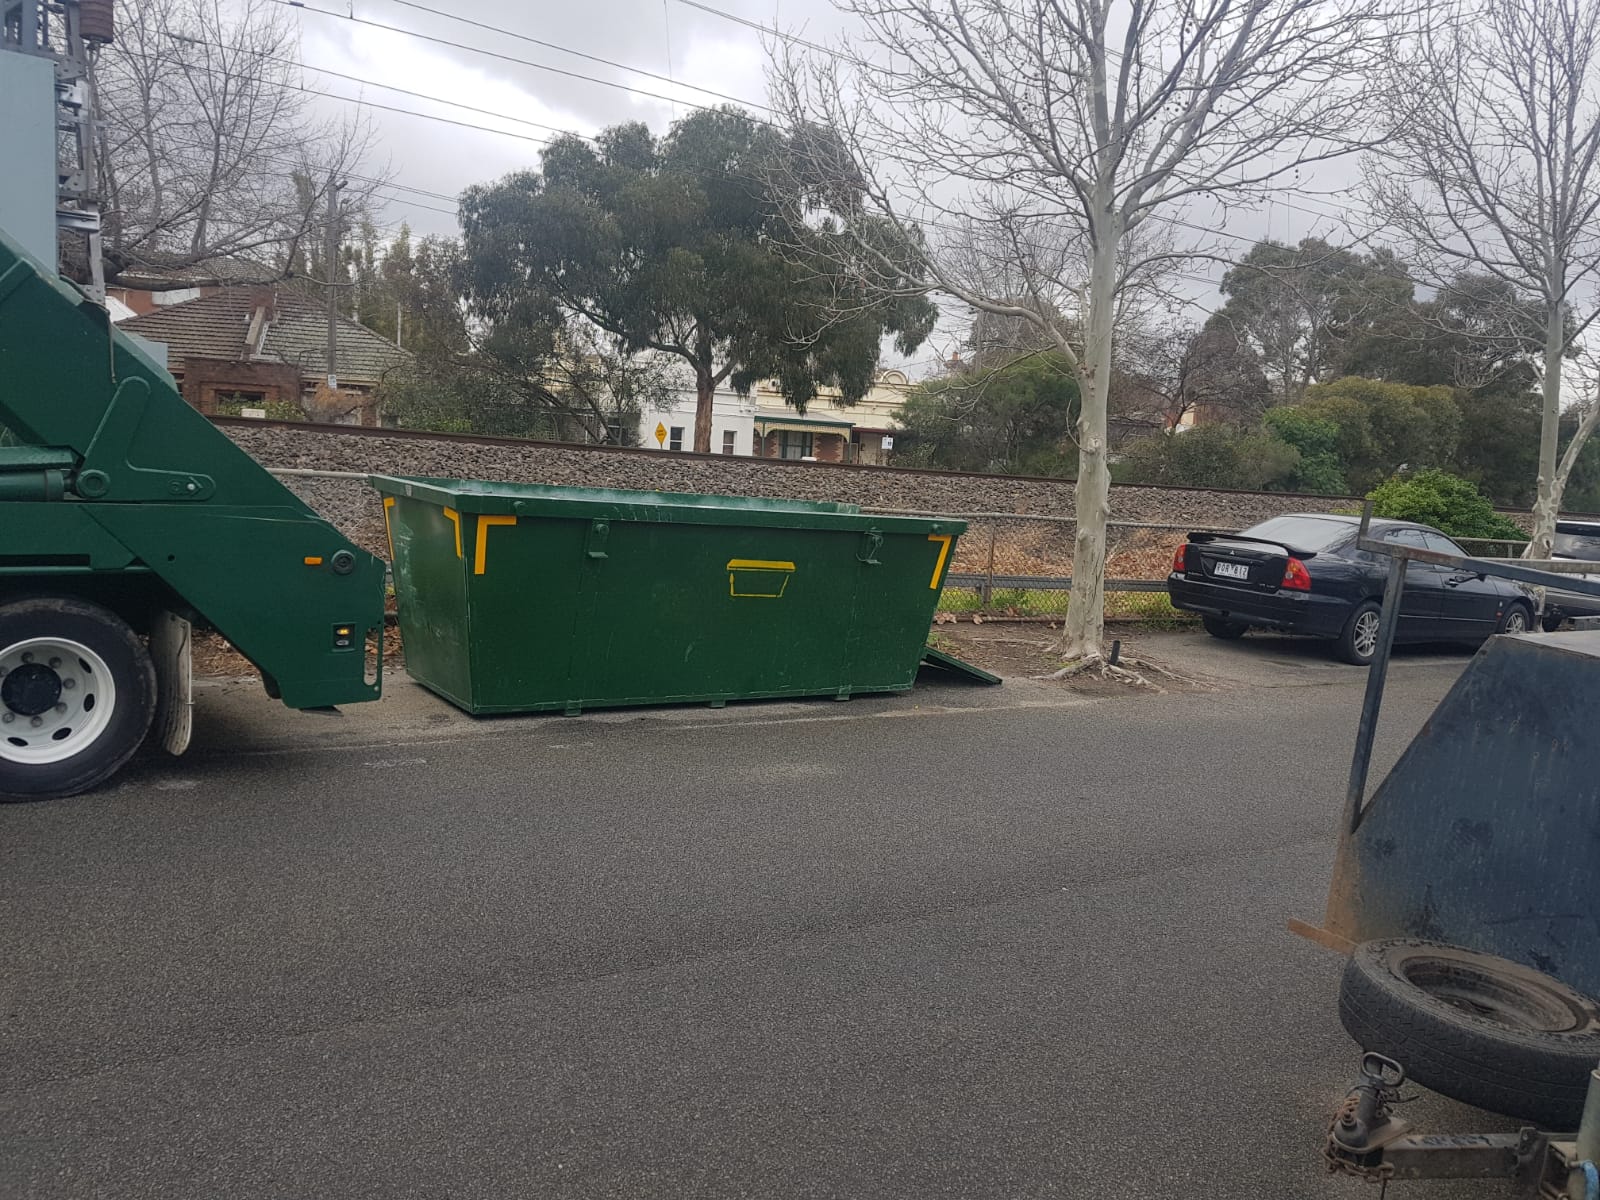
(77, 691)
(1474, 1027)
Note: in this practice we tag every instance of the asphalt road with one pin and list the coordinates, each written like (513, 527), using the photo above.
(958, 943)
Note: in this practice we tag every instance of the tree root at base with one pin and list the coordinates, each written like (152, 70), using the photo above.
(1127, 669)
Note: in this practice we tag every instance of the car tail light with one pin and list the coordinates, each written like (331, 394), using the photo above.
(1296, 577)
(1177, 560)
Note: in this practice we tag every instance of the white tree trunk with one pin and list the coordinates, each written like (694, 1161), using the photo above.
(1569, 459)
(1083, 632)
(1548, 501)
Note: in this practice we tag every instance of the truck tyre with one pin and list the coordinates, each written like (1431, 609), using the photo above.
(1474, 1027)
(77, 691)
(1551, 621)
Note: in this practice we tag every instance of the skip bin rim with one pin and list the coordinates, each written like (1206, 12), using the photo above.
(675, 508)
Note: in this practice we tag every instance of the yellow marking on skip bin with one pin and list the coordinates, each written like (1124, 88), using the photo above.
(455, 519)
(944, 540)
(758, 578)
(388, 531)
(484, 521)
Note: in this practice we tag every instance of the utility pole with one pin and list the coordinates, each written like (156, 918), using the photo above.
(329, 268)
(68, 32)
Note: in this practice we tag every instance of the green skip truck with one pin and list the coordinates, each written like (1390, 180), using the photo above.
(127, 520)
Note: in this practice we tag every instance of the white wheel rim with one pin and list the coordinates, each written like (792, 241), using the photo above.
(81, 694)
(1366, 634)
(1516, 622)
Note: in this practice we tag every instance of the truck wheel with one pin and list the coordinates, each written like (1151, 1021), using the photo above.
(77, 691)
(1474, 1027)
(1551, 621)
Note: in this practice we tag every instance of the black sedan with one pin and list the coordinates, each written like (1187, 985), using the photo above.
(1303, 574)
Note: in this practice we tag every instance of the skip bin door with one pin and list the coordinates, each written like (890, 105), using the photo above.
(681, 611)
(898, 578)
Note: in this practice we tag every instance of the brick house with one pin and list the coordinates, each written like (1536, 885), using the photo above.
(783, 433)
(829, 431)
(264, 346)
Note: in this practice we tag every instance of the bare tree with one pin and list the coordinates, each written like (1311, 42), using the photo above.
(1068, 132)
(1164, 374)
(1495, 167)
(208, 149)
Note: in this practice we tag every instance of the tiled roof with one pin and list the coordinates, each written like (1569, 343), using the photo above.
(296, 333)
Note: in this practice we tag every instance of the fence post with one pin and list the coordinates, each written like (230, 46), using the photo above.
(988, 579)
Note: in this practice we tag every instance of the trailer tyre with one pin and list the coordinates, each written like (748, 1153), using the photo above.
(77, 693)
(1474, 1027)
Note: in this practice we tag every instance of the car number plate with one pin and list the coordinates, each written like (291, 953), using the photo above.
(1228, 570)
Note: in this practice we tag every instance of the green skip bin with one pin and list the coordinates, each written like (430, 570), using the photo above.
(526, 598)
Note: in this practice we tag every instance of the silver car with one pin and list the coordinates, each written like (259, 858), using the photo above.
(1575, 541)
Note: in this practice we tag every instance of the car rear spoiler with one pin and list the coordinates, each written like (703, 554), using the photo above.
(1198, 536)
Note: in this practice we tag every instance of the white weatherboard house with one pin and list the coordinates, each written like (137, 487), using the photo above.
(765, 426)
(732, 423)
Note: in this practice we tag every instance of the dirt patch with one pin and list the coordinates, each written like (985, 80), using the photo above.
(1024, 649)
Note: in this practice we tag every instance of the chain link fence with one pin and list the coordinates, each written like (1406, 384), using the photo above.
(1019, 567)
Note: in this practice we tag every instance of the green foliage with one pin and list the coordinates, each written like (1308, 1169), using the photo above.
(1211, 456)
(1299, 306)
(1014, 419)
(1478, 332)
(1383, 427)
(688, 246)
(1498, 447)
(1583, 486)
(1447, 502)
(1317, 441)
(1447, 382)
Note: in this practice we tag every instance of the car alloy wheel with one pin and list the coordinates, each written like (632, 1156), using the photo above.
(1366, 634)
(1516, 621)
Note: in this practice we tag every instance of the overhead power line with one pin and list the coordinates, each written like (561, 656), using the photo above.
(791, 38)
(388, 87)
(522, 62)
(595, 58)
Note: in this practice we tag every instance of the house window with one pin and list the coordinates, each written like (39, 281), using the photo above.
(727, 441)
(675, 438)
(793, 445)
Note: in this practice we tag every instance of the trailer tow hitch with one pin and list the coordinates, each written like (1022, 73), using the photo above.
(1368, 1141)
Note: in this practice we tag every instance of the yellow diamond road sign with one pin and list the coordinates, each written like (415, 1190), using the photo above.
(661, 433)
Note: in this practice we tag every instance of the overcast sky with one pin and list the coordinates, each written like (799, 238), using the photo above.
(674, 49)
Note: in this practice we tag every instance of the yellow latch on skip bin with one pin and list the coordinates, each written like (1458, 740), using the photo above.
(758, 577)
